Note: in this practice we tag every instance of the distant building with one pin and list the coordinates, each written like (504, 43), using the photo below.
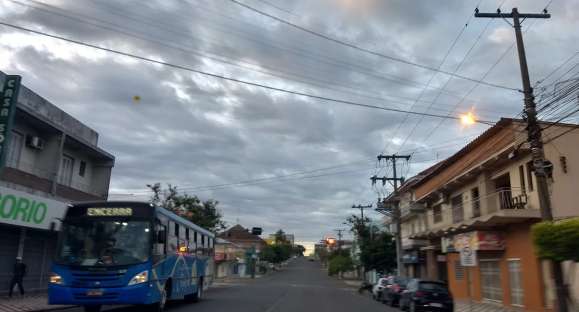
(51, 160)
(228, 255)
(288, 237)
(243, 238)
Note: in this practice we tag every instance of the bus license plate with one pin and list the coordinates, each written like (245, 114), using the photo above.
(436, 305)
(94, 293)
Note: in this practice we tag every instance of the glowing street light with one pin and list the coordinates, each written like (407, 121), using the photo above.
(467, 119)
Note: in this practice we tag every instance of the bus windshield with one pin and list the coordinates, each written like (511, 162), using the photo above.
(104, 242)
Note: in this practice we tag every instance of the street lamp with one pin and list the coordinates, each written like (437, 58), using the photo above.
(467, 119)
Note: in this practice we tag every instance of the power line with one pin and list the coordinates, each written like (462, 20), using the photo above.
(317, 82)
(375, 53)
(453, 44)
(240, 81)
(278, 7)
(450, 78)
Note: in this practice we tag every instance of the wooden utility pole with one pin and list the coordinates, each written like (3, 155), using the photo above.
(339, 231)
(362, 210)
(534, 136)
(396, 209)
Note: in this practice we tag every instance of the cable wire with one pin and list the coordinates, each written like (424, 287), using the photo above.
(375, 53)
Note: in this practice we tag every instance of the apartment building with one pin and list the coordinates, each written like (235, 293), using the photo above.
(480, 204)
(51, 159)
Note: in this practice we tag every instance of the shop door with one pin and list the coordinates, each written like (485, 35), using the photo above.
(9, 237)
(490, 272)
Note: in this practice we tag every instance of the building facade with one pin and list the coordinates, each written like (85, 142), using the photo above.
(468, 219)
(227, 258)
(51, 159)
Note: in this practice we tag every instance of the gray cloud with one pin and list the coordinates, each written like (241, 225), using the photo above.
(191, 130)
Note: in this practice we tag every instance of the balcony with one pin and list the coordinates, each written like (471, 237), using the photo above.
(412, 209)
(500, 208)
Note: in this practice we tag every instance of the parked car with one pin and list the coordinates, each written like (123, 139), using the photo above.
(379, 287)
(391, 295)
(426, 295)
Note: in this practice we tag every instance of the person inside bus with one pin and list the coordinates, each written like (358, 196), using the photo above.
(109, 252)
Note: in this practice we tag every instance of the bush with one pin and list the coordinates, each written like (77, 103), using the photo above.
(557, 241)
(339, 264)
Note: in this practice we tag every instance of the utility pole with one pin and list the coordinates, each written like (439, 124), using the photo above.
(534, 136)
(362, 210)
(339, 238)
(396, 208)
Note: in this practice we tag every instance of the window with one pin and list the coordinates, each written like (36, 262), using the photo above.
(65, 175)
(474, 193)
(515, 282)
(437, 213)
(187, 234)
(176, 227)
(522, 178)
(458, 271)
(490, 274)
(82, 168)
(203, 240)
(14, 150)
(457, 209)
(195, 237)
(530, 175)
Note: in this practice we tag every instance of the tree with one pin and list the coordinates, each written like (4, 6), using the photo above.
(557, 241)
(202, 213)
(299, 250)
(340, 262)
(377, 248)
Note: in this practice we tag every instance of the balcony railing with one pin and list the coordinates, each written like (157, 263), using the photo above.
(509, 198)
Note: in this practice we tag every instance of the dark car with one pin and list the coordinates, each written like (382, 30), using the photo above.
(391, 294)
(426, 295)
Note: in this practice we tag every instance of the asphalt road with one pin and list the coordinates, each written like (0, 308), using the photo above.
(302, 286)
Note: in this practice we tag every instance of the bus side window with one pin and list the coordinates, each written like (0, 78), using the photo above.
(160, 246)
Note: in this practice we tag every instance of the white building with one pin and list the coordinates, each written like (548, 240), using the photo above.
(50, 159)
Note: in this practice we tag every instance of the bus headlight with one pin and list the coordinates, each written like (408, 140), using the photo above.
(142, 277)
(55, 279)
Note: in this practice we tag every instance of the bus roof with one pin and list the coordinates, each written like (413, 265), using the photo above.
(161, 210)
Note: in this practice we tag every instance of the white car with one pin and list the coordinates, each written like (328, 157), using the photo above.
(379, 287)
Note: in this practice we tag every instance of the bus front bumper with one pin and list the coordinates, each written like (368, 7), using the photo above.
(137, 294)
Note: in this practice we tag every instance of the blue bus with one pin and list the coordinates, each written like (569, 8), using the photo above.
(125, 253)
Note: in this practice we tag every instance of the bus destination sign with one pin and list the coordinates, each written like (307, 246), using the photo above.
(109, 212)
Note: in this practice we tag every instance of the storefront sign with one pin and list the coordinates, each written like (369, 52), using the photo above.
(467, 257)
(23, 209)
(7, 110)
(447, 244)
(479, 240)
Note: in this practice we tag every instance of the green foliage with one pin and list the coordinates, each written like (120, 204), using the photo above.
(377, 248)
(557, 241)
(280, 251)
(340, 263)
(276, 253)
(299, 250)
(379, 253)
(202, 213)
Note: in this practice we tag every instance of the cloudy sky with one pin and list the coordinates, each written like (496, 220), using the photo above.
(274, 159)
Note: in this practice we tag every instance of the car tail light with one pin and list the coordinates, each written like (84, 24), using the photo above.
(419, 294)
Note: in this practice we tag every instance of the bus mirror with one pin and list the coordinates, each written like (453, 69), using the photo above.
(161, 235)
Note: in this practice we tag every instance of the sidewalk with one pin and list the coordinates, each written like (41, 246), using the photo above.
(34, 302)
(464, 306)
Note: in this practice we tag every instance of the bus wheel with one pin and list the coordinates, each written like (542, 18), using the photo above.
(92, 308)
(159, 306)
(198, 294)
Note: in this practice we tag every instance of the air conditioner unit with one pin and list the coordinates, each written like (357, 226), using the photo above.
(34, 142)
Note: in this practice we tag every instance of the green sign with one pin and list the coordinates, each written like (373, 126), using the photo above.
(7, 111)
(25, 209)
